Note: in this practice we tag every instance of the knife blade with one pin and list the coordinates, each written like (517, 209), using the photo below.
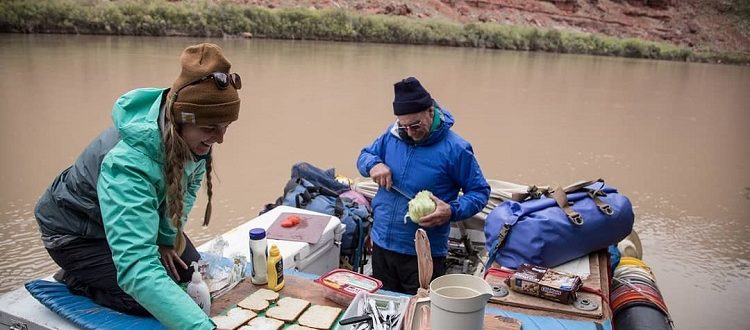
(401, 192)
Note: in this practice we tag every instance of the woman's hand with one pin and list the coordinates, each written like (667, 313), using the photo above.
(170, 259)
(381, 174)
(441, 215)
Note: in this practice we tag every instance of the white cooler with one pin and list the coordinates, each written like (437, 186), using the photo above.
(317, 258)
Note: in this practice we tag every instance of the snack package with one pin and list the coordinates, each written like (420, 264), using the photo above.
(545, 283)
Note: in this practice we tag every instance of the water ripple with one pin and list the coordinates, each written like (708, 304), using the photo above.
(696, 249)
(23, 256)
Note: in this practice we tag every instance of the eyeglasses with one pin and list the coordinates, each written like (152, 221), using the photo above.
(222, 80)
(413, 127)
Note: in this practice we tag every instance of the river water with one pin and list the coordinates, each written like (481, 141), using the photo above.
(671, 136)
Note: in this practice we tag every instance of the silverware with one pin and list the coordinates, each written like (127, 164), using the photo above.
(363, 326)
(375, 315)
(361, 308)
(390, 313)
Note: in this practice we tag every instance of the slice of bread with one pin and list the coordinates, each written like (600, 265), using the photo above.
(266, 294)
(319, 317)
(253, 303)
(234, 318)
(287, 309)
(259, 300)
(263, 323)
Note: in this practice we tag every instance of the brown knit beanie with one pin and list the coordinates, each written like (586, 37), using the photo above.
(203, 103)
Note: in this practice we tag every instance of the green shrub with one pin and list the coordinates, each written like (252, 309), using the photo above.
(218, 18)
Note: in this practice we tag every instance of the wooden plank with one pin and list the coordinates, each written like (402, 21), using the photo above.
(538, 306)
(604, 279)
(296, 287)
(302, 288)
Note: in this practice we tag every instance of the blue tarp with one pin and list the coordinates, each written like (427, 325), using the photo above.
(84, 312)
(530, 322)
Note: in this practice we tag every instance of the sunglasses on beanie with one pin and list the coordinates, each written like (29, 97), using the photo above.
(222, 80)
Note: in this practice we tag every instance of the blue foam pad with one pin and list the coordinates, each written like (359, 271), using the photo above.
(536, 322)
(84, 312)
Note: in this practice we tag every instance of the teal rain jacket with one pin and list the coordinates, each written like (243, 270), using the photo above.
(443, 163)
(123, 199)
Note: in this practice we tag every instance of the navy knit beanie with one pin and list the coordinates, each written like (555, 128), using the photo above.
(410, 97)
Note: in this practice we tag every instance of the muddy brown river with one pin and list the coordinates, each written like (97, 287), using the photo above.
(671, 136)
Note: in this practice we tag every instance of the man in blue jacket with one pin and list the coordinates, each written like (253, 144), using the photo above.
(418, 152)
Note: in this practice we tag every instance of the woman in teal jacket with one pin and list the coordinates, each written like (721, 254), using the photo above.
(114, 220)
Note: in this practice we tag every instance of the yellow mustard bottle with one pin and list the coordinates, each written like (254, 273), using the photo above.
(275, 269)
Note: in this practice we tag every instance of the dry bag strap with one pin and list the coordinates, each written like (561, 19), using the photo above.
(532, 192)
(562, 201)
(580, 185)
(504, 230)
(517, 194)
(604, 207)
(593, 193)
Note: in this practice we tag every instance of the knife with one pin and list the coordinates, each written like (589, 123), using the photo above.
(401, 192)
(355, 319)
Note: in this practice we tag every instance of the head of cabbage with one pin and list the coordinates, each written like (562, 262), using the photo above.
(421, 205)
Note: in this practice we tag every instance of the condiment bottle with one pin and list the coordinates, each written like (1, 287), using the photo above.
(275, 269)
(198, 290)
(258, 255)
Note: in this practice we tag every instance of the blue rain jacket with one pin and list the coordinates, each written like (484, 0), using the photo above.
(116, 190)
(443, 163)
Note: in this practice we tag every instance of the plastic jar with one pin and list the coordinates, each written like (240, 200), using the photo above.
(258, 255)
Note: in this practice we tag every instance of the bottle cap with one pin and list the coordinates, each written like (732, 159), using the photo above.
(197, 276)
(274, 250)
(257, 233)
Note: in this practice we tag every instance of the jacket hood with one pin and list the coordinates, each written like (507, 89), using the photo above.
(136, 117)
(446, 122)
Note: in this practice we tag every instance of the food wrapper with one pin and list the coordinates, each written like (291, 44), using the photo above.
(546, 283)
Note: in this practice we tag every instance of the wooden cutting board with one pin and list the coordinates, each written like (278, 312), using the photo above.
(528, 302)
(309, 229)
(295, 287)
(302, 288)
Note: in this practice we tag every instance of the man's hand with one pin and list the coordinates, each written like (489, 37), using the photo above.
(381, 174)
(170, 259)
(441, 215)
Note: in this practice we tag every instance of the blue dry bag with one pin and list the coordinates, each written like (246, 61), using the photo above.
(558, 225)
